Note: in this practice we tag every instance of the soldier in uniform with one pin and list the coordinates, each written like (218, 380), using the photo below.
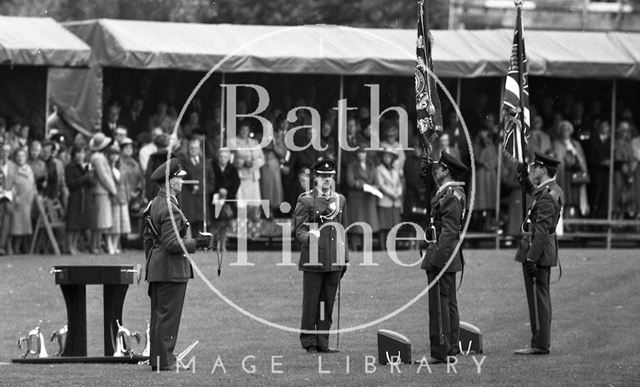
(447, 212)
(167, 268)
(321, 276)
(538, 250)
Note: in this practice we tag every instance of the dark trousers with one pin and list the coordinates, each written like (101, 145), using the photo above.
(541, 337)
(167, 299)
(444, 322)
(318, 287)
(599, 192)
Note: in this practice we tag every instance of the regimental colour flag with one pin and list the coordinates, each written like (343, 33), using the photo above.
(515, 106)
(429, 113)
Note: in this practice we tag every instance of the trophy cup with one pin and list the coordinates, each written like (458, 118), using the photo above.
(61, 336)
(121, 343)
(35, 344)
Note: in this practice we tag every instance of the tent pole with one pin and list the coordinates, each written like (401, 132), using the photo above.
(222, 110)
(612, 158)
(340, 130)
(499, 171)
(46, 105)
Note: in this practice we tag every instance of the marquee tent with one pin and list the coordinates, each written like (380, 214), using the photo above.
(31, 51)
(327, 49)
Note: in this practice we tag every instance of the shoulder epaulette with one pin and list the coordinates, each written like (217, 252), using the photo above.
(307, 193)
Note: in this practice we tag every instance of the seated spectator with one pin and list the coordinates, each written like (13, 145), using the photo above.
(227, 182)
(162, 119)
(79, 182)
(24, 186)
(572, 175)
(390, 184)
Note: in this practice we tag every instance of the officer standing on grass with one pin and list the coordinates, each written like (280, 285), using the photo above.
(538, 250)
(321, 277)
(447, 213)
(167, 268)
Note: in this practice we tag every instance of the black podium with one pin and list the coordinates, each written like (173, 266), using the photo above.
(73, 281)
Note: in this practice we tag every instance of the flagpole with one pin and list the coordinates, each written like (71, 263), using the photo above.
(521, 82)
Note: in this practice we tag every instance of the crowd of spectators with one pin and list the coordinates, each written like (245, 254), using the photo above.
(103, 184)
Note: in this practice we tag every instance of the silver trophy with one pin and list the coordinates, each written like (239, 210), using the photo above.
(34, 343)
(122, 347)
(61, 337)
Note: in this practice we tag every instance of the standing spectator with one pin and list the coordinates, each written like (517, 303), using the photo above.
(486, 155)
(328, 140)
(104, 186)
(599, 149)
(119, 207)
(390, 184)
(148, 147)
(444, 145)
(248, 159)
(8, 170)
(6, 202)
(572, 172)
(539, 140)
(54, 187)
(271, 178)
(362, 205)
(162, 143)
(194, 164)
(227, 182)
(390, 140)
(37, 165)
(79, 182)
(624, 203)
(511, 199)
(133, 180)
(24, 192)
(456, 141)
(635, 146)
(415, 193)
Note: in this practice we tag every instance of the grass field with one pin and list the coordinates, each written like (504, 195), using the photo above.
(595, 332)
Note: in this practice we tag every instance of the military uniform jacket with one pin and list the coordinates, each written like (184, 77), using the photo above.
(315, 208)
(545, 211)
(165, 258)
(447, 211)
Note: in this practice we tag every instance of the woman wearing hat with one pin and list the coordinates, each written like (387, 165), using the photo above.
(119, 208)
(104, 186)
(390, 184)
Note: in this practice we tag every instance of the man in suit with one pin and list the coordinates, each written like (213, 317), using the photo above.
(447, 213)
(538, 250)
(321, 276)
(112, 120)
(195, 164)
(167, 268)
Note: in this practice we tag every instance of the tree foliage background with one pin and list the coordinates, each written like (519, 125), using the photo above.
(357, 13)
(361, 13)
